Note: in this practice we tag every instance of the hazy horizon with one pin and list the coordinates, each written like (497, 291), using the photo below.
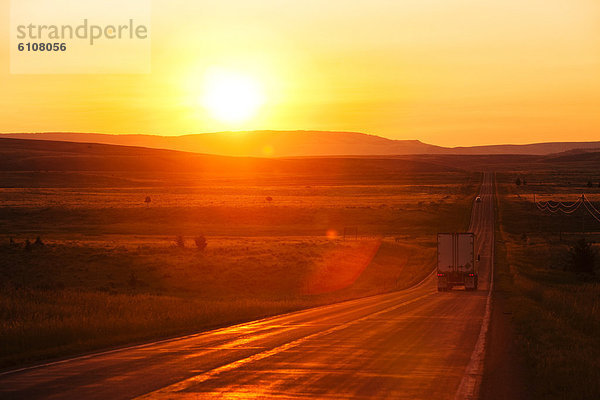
(174, 135)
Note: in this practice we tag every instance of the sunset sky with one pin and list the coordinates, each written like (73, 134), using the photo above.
(447, 72)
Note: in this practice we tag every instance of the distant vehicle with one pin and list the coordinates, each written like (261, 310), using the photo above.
(478, 199)
(456, 261)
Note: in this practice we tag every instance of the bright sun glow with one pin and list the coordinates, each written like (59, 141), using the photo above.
(230, 97)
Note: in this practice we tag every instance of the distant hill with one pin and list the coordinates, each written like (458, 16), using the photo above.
(254, 143)
(42, 163)
(531, 149)
(299, 143)
(52, 157)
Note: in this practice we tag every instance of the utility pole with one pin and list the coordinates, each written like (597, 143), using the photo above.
(583, 218)
(560, 232)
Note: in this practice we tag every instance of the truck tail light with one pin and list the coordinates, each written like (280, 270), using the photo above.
(471, 274)
(441, 274)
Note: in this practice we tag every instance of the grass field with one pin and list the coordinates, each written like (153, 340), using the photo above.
(556, 312)
(109, 272)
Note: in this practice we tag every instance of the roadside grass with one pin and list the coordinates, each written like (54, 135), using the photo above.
(43, 324)
(556, 312)
(67, 299)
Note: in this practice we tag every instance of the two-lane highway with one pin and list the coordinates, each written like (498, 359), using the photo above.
(413, 344)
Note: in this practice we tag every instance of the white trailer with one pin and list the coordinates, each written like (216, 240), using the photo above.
(456, 261)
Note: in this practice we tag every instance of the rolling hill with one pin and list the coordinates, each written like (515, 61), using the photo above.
(298, 143)
(26, 162)
(45, 163)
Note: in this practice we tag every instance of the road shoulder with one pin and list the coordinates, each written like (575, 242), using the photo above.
(505, 373)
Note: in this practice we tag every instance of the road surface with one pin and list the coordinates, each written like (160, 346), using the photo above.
(413, 344)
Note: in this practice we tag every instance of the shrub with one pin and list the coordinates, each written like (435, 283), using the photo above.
(518, 182)
(582, 257)
(180, 241)
(133, 280)
(200, 242)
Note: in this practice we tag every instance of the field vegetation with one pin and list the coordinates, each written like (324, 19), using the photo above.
(111, 270)
(555, 307)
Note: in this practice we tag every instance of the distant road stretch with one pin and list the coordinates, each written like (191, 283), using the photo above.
(413, 344)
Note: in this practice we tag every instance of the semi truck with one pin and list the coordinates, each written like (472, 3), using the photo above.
(456, 264)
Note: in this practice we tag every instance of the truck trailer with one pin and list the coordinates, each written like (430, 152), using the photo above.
(456, 264)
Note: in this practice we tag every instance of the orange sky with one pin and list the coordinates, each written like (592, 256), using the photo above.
(448, 72)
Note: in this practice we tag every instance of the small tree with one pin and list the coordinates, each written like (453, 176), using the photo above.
(582, 257)
(180, 241)
(200, 242)
(518, 182)
(133, 280)
(524, 237)
(147, 200)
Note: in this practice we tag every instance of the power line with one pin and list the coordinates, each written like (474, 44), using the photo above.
(591, 205)
(592, 210)
(568, 208)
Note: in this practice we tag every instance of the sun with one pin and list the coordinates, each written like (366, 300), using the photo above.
(231, 97)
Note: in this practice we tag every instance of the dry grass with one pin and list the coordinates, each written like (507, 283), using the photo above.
(70, 298)
(110, 273)
(49, 323)
(557, 313)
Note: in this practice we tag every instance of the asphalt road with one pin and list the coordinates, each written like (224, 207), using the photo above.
(413, 344)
